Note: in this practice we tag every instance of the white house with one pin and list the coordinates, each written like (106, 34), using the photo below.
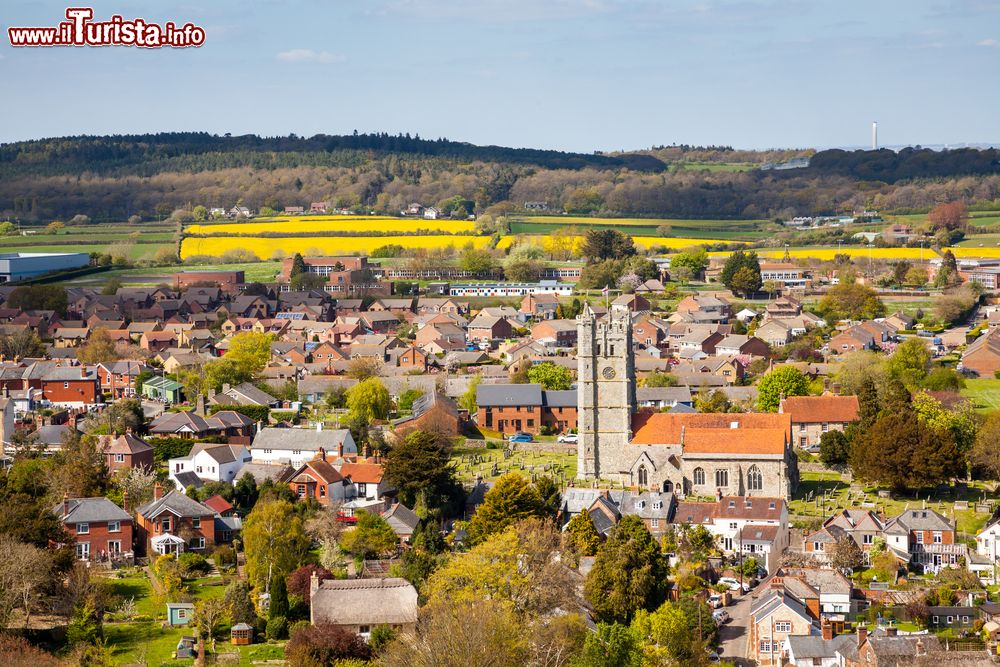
(208, 462)
(757, 526)
(988, 541)
(295, 446)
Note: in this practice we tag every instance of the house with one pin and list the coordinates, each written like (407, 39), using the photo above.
(634, 302)
(925, 538)
(435, 412)
(540, 306)
(812, 416)
(863, 526)
(403, 521)
(71, 386)
(125, 452)
(358, 605)
(662, 397)
(295, 446)
(100, 529)
(784, 274)
(704, 308)
(208, 462)
(886, 647)
(320, 481)
(775, 616)
(179, 614)
(118, 378)
(174, 523)
(982, 356)
(236, 427)
(822, 651)
(245, 393)
(70, 336)
(488, 328)
(366, 479)
(513, 408)
(555, 333)
(774, 332)
(755, 526)
(734, 345)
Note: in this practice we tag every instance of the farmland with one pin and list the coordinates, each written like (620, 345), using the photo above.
(353, 224)
(703, 230)
(266, 248)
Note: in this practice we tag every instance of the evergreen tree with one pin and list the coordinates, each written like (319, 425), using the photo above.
(629, 573)
(298, 266)
(584, 538)
(510, 500)
(278, 606)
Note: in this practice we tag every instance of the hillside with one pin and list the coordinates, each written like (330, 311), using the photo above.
(111, 178)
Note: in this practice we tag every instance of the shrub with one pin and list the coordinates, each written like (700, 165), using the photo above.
(258, 413)
(192, 564)
(225, 556)
(277, 627)
(324, 645)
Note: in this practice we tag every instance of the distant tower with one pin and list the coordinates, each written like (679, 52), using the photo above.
(605, 389)
(874, 135)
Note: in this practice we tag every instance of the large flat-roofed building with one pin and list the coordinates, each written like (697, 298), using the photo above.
(227, 281)
(23, 265)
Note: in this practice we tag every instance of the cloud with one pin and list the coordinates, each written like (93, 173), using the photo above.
(991, 43)
(310, 56)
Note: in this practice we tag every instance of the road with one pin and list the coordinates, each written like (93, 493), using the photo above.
(733, 635)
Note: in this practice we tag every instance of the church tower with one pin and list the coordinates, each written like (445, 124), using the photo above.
(606, 390)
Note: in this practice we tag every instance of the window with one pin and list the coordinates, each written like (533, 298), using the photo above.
(197, 543)
(300, 490)
(722, 477)
(655, 523)
(114, 526)
(114, 547)
(755, 480)
(119, 458)
(362, 488)
(826, 427)
(322, 492)
(951, 619)
(803, 441)
(643, 476)
(364, 629)
(935, 620)
(765, 646)
(819, 546)
(965, 619)
(699, 477)
(783, 626)
(65, 385)
(182, 613)
(920, 537)
(196, 522)
(733, 525)
(82, 528)
(165, 524)
(937, 537)
(802, 428)
(296, 452)
(657, 505)
(197, 469)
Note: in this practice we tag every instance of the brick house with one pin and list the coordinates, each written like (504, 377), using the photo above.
(540, 306)
(125, 452)
(812, 416)
(513, 408)
(412, 358)
(71, 386)
(561, 333)
(433, 411)
(318, 480)
(99, 528)
(174, 523)
(157, 341)
(488, 328)
(982, 356)
(118, 378)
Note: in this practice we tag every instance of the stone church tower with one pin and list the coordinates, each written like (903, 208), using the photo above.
(606, 388)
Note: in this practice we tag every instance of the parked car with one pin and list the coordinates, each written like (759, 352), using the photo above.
(713, 657)
(520, 437)
(734, 585)
(715, 601)
(721, 616)
(569, 438)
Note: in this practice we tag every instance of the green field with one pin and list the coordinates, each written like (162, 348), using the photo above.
(722, 230)
(259, 272)
(983, 392)
(715, 166)
(138, 251)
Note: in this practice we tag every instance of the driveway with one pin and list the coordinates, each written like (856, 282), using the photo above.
(733, 635)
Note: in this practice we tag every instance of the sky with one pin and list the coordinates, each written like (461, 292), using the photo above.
(578, 75)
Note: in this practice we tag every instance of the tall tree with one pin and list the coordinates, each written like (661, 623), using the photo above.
(298, 266)
(372, 536)
(511, 499)
(420, 468)
(369, 400)
(274, 541)
(602, 244)
(782, 381)
(550, 376)
(629, 573)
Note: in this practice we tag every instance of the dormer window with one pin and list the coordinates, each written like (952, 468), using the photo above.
(732, 504)
(641, 504)
(656, 506)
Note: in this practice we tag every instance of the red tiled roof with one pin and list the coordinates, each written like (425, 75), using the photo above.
(364, 473)
(743, 433)
(826, 408)
(218, 504)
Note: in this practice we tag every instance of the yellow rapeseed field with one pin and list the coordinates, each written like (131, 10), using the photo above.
(265, 248)
(860, 253)
(328, 223)
(549, 242)
(976, 252)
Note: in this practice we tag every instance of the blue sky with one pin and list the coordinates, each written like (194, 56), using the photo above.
(567, 74)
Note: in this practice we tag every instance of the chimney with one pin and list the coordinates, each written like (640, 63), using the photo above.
(83, 372)
(319, 427)
(157, 491)
(862, 635)
(125, 500)
(322, 453)
(199, 405)
(340, 449)
(313, 584)
(836, 389)
(826, 628)
(890, 632)
(920, 649)
(65, 503)
(364, 451)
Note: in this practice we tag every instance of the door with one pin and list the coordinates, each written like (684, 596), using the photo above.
(83, 550)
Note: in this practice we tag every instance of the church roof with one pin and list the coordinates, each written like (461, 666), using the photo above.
(742, 433)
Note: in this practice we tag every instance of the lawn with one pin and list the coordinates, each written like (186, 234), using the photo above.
(138, 250)
(983, 392)
(820, 494)
(261, 272)
(473, 461)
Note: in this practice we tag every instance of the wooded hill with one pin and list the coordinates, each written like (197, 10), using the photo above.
(111, 178)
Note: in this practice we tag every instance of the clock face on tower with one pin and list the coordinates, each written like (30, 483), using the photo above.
(608, 373)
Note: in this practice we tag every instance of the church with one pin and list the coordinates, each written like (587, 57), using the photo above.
(742, 454)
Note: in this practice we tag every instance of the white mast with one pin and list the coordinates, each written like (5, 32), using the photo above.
(874, 135)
